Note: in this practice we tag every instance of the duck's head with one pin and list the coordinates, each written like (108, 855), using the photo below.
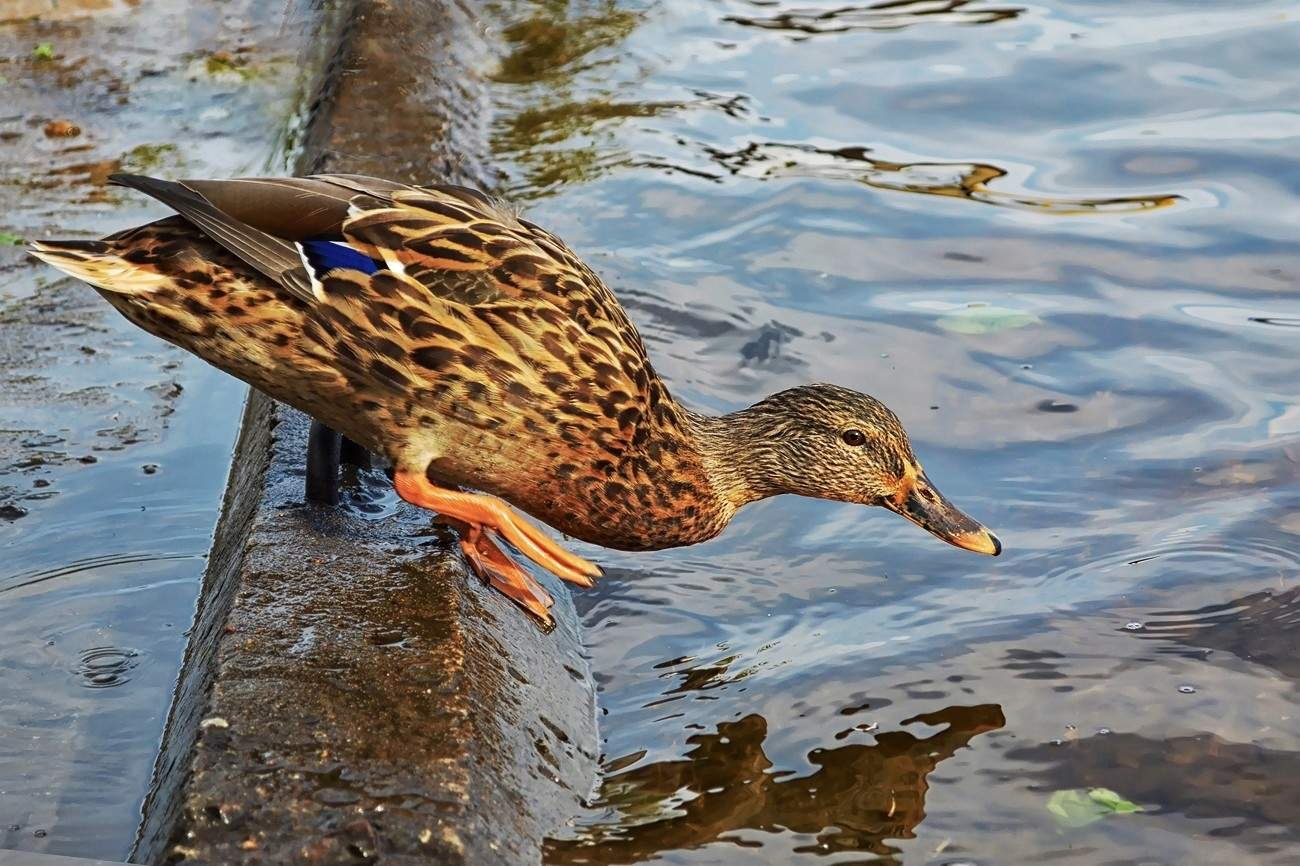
(830, 442)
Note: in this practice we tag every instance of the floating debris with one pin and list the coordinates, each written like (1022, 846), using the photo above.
(62, 129)
(985, 319)
(1079, 807)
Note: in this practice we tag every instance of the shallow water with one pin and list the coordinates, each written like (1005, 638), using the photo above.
(114, 447)
(1059, 240)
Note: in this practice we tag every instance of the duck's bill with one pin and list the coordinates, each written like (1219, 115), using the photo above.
(930, 510)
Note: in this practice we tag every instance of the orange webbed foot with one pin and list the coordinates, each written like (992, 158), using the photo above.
(505, 575)
(484, 512)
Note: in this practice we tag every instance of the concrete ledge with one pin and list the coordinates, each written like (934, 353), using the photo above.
(351, 694)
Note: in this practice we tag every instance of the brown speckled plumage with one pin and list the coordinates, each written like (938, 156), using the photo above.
(483, 353)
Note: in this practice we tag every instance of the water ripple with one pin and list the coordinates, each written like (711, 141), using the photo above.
(105, 667)
(884, 15)
(766, 160)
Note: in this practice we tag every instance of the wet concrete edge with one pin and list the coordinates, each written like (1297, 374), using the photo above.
(350, 693)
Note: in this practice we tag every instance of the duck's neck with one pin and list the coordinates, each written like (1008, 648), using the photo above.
(736, 457)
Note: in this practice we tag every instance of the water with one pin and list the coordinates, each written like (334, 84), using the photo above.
(114, 447)
(1059, 240)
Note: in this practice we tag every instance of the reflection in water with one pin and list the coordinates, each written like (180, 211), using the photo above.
(567, 99)
(858, 796)
(549, 46)
(968, 180)
(549, 51)
(885, 15)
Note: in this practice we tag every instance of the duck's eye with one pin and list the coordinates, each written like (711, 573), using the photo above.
(853, 437)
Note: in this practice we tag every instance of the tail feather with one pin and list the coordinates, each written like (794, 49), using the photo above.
(98, 263)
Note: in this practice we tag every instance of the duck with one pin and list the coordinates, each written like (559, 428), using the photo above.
(495, 371)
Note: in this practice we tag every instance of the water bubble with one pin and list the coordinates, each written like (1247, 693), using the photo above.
(1134, 626)
(1187, 690)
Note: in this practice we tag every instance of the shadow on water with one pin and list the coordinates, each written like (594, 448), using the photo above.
(1246, 792)
(1263, 627)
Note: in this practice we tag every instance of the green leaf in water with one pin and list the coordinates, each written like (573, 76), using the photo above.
(1079, 807)
(43, 51)
(983, 319)
(9, 240)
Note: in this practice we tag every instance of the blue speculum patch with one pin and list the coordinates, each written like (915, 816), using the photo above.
(325, 254)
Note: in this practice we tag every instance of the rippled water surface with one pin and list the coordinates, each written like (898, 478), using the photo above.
(1059, 240)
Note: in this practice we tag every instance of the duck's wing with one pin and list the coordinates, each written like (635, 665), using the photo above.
(263, 219)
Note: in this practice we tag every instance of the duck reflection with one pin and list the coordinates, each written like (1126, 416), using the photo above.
(858, 796)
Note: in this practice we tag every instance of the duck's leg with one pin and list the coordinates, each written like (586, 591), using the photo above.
(352, 454)
(326, 450)
(488, 512)
(323, 450)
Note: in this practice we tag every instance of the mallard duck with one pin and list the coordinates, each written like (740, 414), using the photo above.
(478, 354)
